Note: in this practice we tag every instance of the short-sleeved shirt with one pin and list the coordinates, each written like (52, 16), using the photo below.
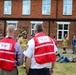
(30, 53)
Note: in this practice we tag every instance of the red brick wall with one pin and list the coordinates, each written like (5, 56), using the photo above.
(36, 9)
(36, 12)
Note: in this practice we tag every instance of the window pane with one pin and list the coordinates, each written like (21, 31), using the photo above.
(7, 7)
(65, 27)
(33, 32)
(33, 26)
(26, 7)
(67, 10)
(46, 6)
(48, 2)
(60, 35)
(60, 26)
(65, 32)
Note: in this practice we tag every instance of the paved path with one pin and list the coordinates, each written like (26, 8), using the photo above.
(69, 51)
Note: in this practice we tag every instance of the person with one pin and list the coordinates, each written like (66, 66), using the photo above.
(23, 42)
(57, 53)
(18, 36)
(31, 36)
(54, 38)
(65, 44)
(66, 59)
(11, 54)
(40, 53)
(74, 44)
(1, 36)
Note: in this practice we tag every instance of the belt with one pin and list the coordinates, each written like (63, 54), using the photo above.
(40, 69)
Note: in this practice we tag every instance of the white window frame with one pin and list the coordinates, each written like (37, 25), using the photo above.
(63, 23)
(24, 8)
(68, 9)
(45, 12)
(35, 22)
(11, 23)
(6, 8)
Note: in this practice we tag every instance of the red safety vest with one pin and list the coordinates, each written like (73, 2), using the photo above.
(44, 49)
(7, 56)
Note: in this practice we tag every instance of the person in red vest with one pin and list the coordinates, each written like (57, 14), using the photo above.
(57, 53)
(11, 54)
(40, 53)
(54, 38)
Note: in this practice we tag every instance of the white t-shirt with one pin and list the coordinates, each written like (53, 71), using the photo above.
(30, 53)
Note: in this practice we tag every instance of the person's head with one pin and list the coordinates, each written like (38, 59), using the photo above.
(10, 30)
(65, 36)
(1, 36)
(31, 36)
(54, 36)
(74, 36)
(24, 34)
(38, 28)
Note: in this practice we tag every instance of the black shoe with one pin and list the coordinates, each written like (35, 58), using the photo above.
(58, 55)
(64, 52)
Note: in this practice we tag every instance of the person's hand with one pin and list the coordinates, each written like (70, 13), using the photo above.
(51, 71)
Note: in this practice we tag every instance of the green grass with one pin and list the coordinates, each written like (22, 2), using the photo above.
(60, 68)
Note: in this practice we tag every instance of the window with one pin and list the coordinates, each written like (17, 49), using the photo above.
(7, 7)
(62, 29)
(67, 7)
(26, 7)
(46, 7)
(33, 23)
(13, 23)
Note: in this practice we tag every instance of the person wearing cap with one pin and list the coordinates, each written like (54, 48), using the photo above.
(23, 42)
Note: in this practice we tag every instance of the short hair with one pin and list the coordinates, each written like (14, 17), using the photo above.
(38, 27)
(10, 28)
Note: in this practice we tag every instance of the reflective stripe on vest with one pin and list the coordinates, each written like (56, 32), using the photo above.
(7, 60)
(43, 45)
(6, 52)
(44, 54)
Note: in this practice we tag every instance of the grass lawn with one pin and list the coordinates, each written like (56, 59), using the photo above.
(60, 68)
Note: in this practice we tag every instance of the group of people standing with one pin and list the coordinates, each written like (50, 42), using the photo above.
(40, 54)
(65, 43)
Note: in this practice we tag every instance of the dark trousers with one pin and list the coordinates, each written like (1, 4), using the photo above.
(44, 71)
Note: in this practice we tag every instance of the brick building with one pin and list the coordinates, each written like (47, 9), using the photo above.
(57, 16)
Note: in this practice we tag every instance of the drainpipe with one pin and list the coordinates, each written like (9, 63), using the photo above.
(4, 27)
(49, 28)
(56, 8)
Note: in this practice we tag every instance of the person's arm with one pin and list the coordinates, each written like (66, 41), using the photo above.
(52, 68)
(28, 63)
(19, 54)
(19, 40)
(28, 54)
